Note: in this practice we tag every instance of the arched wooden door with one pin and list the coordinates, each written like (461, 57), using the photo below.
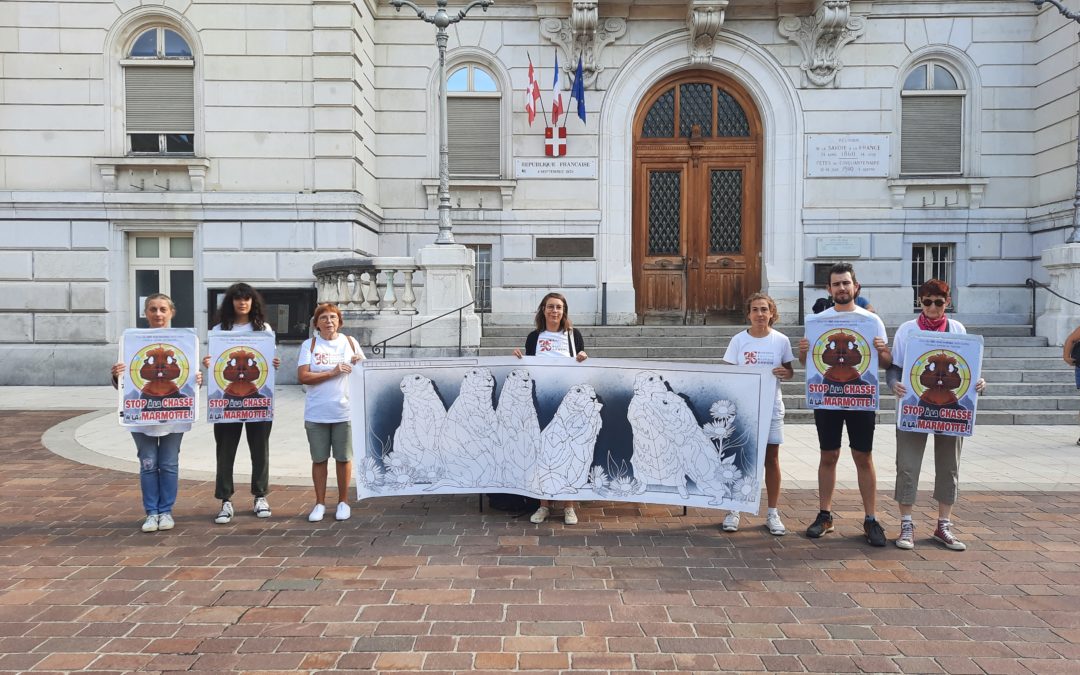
(696, 197)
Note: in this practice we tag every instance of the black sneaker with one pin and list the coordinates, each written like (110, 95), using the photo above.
(875, 534)
(822, 525)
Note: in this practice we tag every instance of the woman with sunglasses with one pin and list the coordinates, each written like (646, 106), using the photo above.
(910, 445)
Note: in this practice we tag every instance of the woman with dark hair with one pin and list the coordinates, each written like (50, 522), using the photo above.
(242, 311)
(555, 336)
(910, 445)
(158, 447)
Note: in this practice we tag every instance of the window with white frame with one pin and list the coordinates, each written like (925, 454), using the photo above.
(482, 277)
(473, 123)
(932, 261)
(932, 121)
(159, 94)
(162, 263)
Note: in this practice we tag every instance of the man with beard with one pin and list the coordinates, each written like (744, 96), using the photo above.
(844, 289)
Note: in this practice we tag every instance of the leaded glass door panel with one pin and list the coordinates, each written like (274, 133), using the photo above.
(663, 191)
(725, 252)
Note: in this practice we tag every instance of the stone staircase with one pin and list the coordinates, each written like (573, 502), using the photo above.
(1028, 383)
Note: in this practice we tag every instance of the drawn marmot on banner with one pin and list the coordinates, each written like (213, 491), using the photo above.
(469, 441)
(841, 355)
(160, 369)
(241, 372)
(941, 377)
(700, 458)
(655, 460)
(422, 418)
(519, 428)
(567, 443)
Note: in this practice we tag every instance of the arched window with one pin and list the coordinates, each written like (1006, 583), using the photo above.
(159, 94)
(932, 121)
(472, 116)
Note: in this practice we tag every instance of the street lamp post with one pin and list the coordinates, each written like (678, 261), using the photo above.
(441, 19)
(1074, 238)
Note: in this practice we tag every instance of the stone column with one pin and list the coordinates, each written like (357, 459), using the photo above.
(448, 284)
(1059, 319)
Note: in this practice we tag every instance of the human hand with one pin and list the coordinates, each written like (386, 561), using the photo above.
(355, 358)
(117, 370)
(344, 368)
(881, 345)
(206, 362)
(900, 390)
(276, 362)
(517, 353)
(804, 347)
(980, 386)
(581, 356)
(198, 379)
(782, 373)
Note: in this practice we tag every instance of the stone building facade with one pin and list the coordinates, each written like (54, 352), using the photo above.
(728, 146)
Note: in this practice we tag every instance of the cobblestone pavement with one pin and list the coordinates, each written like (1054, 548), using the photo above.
(430, 584)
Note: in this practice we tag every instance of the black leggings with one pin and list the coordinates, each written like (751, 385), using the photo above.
(227, 437)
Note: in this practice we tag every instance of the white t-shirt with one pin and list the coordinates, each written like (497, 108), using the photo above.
(766, 352)
(903, 333)
(244, 328)
(880, 326)
(553, 344)
(327, 402)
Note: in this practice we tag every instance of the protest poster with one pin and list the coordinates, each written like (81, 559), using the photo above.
(842, 364)
(665, 433)
(158, 385)
(241, 386)
(940, 372)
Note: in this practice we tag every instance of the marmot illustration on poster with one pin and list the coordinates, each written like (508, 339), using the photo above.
(422, 418)
(519, 428)
(567, 443)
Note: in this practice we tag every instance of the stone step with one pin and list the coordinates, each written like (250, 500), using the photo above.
(982, 418)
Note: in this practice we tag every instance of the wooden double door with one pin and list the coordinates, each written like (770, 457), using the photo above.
(696, 198)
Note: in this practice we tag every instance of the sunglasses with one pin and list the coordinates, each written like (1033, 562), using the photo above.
(926, 302)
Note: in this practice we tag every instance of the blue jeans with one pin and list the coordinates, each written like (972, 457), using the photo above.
(159, 470)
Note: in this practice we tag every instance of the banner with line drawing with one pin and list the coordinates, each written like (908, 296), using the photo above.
(158, 385)
(241, 377)
(664, 433)
(940, 372)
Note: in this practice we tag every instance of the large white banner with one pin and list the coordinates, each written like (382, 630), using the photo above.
(940, 372)
(842, 364)
(158, 386)
(241, 386)
(666, 433)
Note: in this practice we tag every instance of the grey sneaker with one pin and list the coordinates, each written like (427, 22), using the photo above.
(150, 524)
(775, 525)
(165, 521)
(225, 515)
(906, 540)
(731, 522)
(540, 515)
(569, 516)
(262, 507)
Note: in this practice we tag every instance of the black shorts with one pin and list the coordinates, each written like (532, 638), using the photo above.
(860, 428)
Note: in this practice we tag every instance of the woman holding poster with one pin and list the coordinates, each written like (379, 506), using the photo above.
(910, 445)
(158, 446)
(761, 346)
(324, 365)
(555, 336)
(242, 311)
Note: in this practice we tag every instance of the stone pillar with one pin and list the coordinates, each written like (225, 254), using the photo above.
(1059, 319)
(448, 284)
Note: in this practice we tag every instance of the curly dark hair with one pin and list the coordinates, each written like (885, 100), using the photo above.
(226, 314)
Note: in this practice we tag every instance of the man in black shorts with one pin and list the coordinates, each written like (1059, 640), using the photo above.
(860, 423)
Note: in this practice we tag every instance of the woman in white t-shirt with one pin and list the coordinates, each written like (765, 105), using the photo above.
(324, 365)
(242, 311)
(158, 447)
(760, 345)
(556, 337)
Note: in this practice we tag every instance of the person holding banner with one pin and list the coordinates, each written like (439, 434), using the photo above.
(760, 345)
(555, 336)
(1071, 354)
(844, 289)
(158, 447)
(242, 311)
(910, 445)
(323, 366)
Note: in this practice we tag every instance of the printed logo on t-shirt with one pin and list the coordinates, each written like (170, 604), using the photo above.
(545, 345)
(323, 359)
(758, 358)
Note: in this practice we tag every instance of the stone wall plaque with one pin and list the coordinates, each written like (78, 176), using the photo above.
(564, 247)
(555, 167)
(838, 247)
(847, 155)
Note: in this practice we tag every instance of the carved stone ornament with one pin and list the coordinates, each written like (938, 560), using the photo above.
(704, 18)
(584, 34)
(822, 36)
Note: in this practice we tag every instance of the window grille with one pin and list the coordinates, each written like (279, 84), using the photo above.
(482, 277)
(932, 261)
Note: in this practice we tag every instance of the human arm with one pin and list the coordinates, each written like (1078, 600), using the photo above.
(784, 371)
(1073, 338)
(579, 346)
(892, 377)
(530, 345)
(306, 376)
(804, 347)
(884, 353)
(116, 371)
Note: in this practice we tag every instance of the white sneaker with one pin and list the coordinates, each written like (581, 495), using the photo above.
(225, 515)
(540, 515)
(262, 507)
(775, 525)
(317, 513)
(731, 522)
(165, 521)
(343, 511)
(150, 524)
(569, 516)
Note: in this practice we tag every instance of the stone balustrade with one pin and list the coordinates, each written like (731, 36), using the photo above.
(372, 286)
